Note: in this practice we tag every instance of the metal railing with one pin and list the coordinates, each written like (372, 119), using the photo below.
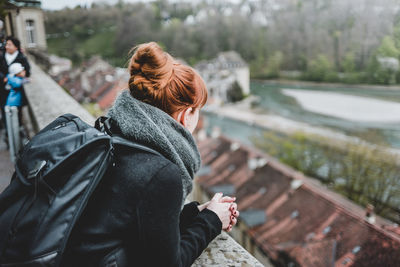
(13, 131)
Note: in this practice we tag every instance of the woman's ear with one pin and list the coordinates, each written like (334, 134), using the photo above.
(179, 116)
(188, 117)
(184, 116)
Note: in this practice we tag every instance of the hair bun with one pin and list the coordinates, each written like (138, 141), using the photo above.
(157, 79)
(150, 69)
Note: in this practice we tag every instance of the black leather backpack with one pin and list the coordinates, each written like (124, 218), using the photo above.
(55, 175)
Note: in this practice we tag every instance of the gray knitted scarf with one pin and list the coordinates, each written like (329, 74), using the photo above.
(152, 127)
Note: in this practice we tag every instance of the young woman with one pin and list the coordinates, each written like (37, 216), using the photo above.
(137, 217)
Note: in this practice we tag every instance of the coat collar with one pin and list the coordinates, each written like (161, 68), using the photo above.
(150, 126)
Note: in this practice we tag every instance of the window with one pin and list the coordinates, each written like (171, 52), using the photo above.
(30, 31)
(294, 214)
(326, 230)
(356, 249)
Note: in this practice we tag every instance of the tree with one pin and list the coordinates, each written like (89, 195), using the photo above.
(348, 64)
(320, 69)
(388, 48)
(384, 64)
(235, 93)
(274, 64)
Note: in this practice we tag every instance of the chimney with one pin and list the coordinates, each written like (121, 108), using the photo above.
(369, 214)
(216, 132)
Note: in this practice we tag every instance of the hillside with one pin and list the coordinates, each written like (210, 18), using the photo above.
(348, 41)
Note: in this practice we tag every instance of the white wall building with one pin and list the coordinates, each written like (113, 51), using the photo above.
(59, 64)
(25, 21)
(221, 73)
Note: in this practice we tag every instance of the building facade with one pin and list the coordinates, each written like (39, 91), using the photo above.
(222, 73)
(25, 21)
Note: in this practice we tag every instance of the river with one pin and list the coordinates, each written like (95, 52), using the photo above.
(371, 114)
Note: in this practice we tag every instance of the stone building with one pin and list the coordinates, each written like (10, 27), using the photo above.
(95, 82)
(221, 74)
(24, 19)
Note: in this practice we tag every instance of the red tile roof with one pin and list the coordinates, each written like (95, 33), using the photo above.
(108, 99)
(305, 222)
(102, 90)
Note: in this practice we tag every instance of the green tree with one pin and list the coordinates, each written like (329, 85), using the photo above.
(349, 68)
(388, 48)
(379, 69)
(235, 93)
(348, 64)
(274, 64)
(320, 69)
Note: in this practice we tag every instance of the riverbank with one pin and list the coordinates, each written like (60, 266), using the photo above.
(300, 83)
(243, 112)
(347, 107)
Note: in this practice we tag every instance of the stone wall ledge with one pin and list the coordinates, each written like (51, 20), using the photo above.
(47, 101)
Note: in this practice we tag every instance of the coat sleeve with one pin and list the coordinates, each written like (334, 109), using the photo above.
(159, 220)
(3, 71)
(188, 214)
(24, 62)
(14, 82)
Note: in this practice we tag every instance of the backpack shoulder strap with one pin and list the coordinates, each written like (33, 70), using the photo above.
(119, 140)
(108, 125)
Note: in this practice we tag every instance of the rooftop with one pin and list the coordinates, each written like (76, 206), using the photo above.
(96, 81)
(224, 60)
(22, 3)
(302, 221)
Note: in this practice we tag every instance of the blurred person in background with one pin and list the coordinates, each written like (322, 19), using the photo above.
(137, 216)
(11, 55)
(15, 79)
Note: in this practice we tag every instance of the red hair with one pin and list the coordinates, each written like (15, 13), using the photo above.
(159, 80)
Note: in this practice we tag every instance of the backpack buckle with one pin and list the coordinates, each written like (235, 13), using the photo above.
(103, 124)
(36, 170)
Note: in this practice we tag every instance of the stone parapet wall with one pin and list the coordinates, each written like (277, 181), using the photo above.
(47, 100)
(224, 251)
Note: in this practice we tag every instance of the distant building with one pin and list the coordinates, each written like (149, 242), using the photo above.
(59, 65)
(94, 73)
(289, 219)
(221, 74)
(25, 21)
(96, 81)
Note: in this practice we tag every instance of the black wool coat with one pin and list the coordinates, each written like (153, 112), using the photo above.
(135, 218)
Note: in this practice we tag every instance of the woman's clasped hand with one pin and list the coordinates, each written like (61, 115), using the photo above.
(226, 209)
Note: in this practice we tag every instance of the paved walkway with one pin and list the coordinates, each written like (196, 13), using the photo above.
(6, 166)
